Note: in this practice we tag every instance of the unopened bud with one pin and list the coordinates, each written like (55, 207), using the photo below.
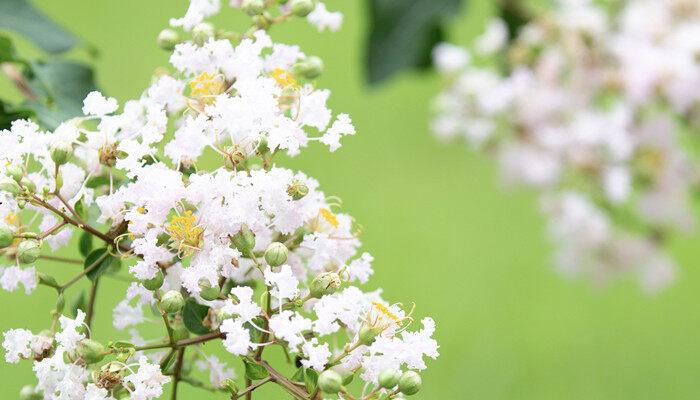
(15, 172)
(276, 254)
(168, 38)
(253, 7)
(27, 183)
(9, 185)
(309, 68)
(368, 335)
(325, 283)
(234, 156)
(28, 251)
(330, 381)
(302, 8)
(61, 152)
(91, 351)
(230, 385)
(172, 301)
(389, 378)
(7, 236)
(207, 291)
(154, 283)
(410, 383)
(202, 32)
(244, 240)
(297, 189)
(28, 392)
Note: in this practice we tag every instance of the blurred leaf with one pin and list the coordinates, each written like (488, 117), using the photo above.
(9, 113)
(310, 379)
(514, 15)
(299, 375)
(93, 257)
(255, 334)
(193, 315)
(80, 207)
(78, 304)
(254, 371)
(97, 181)
(64, 84)
(7, 49)
(20, 16)
(403, 34)
(85, 244)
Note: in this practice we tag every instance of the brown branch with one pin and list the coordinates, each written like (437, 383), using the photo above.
(91, 305)
(176, 374)
(249, 389)
(18, 80)
(283, 381)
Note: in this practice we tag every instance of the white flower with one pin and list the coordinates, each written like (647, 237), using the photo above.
(11, 277)
(237, 339)
(196, 12)
(290, 326)
(245, 308)
(69, 335)
(317, 355)
(148, 381)
(493, 39)
(93, 392)
(17, 344)
(323, 19)
(218, 372)
(96, 104)
(449, 58)
(284, 285)
(125, 315)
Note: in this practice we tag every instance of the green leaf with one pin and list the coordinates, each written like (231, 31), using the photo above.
(78, 304)
(93, 257)
(299, 375)
(7, 49)
(20, 16)
(10, 113)
(97, 181)
(193, 315)
(85, 244)
(63, 85)
(513, 13)
(403, 34)
(80, 207)
(254, 371)
(310, 379)
(255, 334)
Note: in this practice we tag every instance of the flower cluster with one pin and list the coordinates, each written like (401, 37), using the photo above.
(181, 188)
(593, 107)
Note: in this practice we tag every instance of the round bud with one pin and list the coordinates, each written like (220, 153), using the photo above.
(154, 283)
(330, 381)
(368, 335)
(410, 383)
(172, 301)
(207, 291)
(9, 185)
(276, 254)
(91, 351)
(310, 68)
(202, 32)
(30, 393)
(234, 156)
(253, 7)
(168, 38)
(15, 172)
(28, 251)
(389, 378)
(297, 189)
(7, 236)
(61, 152)
(244, 240)
(324, 283)
(302, 8)
(28, 183)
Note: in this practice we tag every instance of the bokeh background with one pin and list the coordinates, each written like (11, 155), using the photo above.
(445, 235)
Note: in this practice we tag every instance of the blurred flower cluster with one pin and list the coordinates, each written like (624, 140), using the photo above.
(596, 106)
(220, 243)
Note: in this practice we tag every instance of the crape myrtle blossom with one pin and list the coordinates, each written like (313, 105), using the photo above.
(591, 106)
(178, 192)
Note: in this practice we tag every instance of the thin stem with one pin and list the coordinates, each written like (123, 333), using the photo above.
(61, 259)
(164, 315)
(53, 229)
(91, 304)
(185, 342)
(280, 379)
(249, 394)
(344, 354)
(84, 272)
(250, 387)
(178, 370)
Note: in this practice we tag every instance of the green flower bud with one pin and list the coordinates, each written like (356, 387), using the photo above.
(9, 185)
(389, 378)
(244, 240)
(207, 291)
(330, 381)
(297, 189)
(324, 283)
(302, 8)
(168, 38)
(7, 236)
(276, 254)
(28, 251)
(15, 172)
(172, 301)
(61, 152)
(202, 32)
(154, 283)
(231, 386)
(253, 7)
(234, 156)
(180, 331)
(27, 183)
(28, 392)
(410, 383)
(368, 334)
(91, 351)
(310, 68)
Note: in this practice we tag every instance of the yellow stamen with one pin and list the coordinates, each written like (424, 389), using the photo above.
(206, 85)
(384, 310)
(184, 230)
(329, 217)
(284, 78)
(11, 218)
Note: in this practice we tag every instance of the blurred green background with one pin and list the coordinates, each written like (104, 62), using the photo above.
(443, 232)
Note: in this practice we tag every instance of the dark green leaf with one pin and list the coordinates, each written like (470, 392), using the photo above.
(514, 15)
(97, 181)
(85, 244)
(403, 34)
(80, 207)
(9, 113)
(254, 371)
(92, 258)
(63, 85)
(22, 17)
(7, 49)
(299, 375)
(193, 315)
(255, 334)
(310, 379)
(166, 362)
(78, 304)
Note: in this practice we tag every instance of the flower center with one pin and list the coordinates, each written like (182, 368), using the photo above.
(206, 85)
(329, 217)
(284, 78)
(184, 231)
